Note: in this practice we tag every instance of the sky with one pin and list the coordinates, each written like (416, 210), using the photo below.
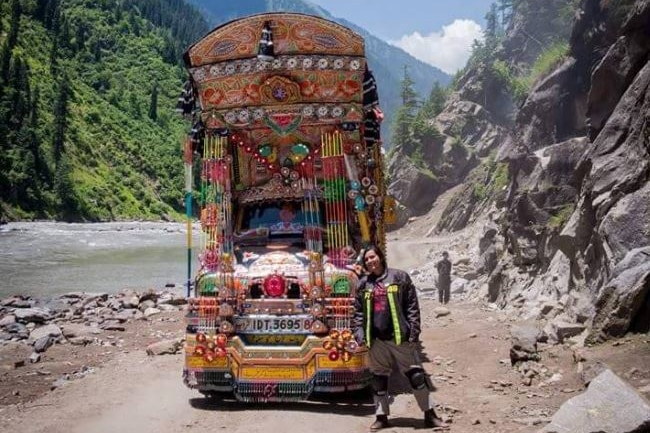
(438, 32)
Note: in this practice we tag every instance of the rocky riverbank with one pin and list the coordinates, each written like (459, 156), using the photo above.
(44, 343)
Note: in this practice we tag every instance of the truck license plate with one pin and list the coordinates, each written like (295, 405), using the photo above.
(263, 324)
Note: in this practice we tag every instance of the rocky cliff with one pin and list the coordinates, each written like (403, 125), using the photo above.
(569, 226)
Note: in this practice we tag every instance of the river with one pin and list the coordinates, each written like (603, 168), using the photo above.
(48, 258)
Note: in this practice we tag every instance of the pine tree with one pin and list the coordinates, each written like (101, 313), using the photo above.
(407, 92)
(153, 104)
(404, 114)
(12, 38)
(56, 28)
(436, 101)
(64, 189)
(5, 63)
(61, 118)
(491, 24)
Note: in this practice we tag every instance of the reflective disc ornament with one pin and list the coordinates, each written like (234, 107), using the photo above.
(221, 340)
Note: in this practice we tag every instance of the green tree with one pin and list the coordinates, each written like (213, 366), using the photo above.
(436, 101)
(491, 24)
(153, 103)
(61, 118)
(405, 114)
(407, 91)
(64, 189)
(14, 29)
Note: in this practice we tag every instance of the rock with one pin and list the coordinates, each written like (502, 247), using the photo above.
(13, 355)
(146, 304)
(80, 341)
(78, 330)
(17, 302)
(164, 347)
(34, 357)
(564, 330)
(609, 405)
(523, 343)
(50, 330)
(112, 325)
(591, 369)
(18, 330)
(623, 300)
(128, 314)
(131, 301)
(36, 315)
(441, 312)
(171, 299)
(43, 343)
(7, 320)
(151, 312)
(458, 286)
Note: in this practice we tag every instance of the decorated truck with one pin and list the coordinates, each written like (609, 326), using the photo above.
(285, 143)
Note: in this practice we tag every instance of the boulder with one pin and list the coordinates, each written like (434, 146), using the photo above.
(165, 347)
(36, 315)
(609, 405)
(524, 343)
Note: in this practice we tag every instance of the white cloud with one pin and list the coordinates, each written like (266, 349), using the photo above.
(447, 49)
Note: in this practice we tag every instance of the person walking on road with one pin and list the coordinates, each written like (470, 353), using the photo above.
(387, 320)
(444, 278)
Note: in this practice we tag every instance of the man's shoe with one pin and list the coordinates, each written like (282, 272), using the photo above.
(431, 420)
(380, 423)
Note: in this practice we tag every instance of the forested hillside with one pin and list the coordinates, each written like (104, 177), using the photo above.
(87, 96)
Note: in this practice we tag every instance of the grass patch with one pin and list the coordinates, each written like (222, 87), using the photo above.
(561, 217)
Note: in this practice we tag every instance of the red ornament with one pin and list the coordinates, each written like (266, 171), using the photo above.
(274, 286)
(221, 340)
(333, 355)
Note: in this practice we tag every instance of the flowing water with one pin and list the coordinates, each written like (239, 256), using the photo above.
(45, 258)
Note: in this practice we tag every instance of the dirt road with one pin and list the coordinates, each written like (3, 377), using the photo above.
(467, 349)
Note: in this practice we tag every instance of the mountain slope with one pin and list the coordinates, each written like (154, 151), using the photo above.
(555, 113)
(97, 137)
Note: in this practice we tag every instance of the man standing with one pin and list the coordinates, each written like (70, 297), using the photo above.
(444, 278)
(387, 320)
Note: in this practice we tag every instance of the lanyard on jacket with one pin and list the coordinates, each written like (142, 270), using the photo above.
(391, 294)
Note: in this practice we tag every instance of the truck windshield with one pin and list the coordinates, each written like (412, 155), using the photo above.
(279, 218)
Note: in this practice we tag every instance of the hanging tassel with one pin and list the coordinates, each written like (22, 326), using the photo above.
(266, 51)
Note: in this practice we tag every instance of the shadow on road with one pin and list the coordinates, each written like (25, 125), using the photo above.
(353, 403)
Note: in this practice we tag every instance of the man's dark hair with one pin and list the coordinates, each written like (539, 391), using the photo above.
(378, 251)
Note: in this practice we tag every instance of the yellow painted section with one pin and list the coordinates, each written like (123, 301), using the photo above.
(311, 368)
(267, 339)
(325, 362)
(199, 362)
(278, 373)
